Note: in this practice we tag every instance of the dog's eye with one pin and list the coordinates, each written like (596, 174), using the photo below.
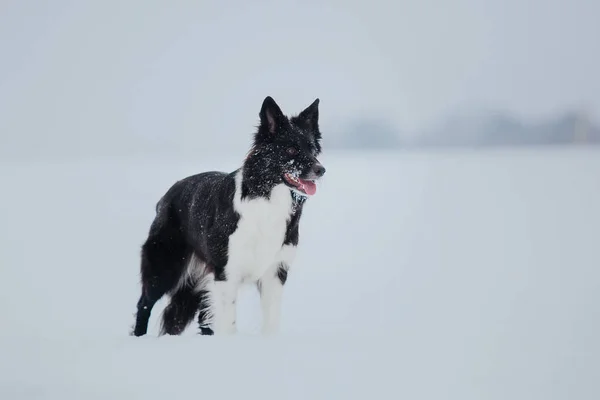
(292, 151)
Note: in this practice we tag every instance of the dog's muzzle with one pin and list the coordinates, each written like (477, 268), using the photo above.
(318, 169)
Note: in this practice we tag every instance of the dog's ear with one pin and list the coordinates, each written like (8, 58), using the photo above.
(271, 117)
(309, 118)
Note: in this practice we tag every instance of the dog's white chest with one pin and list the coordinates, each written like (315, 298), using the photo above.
(257, 242)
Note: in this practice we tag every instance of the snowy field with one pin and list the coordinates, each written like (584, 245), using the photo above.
(448, 275)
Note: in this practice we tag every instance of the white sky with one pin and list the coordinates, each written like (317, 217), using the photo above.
(98, 71)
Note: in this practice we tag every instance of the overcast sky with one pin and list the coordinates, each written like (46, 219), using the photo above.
(102, 71)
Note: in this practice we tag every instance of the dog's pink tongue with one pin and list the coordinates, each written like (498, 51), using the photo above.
(309, 187)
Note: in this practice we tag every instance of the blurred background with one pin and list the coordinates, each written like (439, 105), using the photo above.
(84, 78)
(451, 251)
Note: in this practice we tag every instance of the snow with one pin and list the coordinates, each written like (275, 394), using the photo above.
(447, 275)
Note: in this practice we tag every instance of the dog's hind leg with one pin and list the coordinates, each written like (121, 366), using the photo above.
(204, 314)
(191, 296)
(155, 283)
(165, 256)
(180, 311)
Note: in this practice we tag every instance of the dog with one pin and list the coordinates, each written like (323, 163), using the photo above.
(215, 231)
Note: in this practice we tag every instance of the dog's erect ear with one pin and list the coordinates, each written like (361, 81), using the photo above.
(309, 118)
(271, 116)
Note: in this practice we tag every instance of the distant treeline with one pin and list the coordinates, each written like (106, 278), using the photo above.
(476, 130)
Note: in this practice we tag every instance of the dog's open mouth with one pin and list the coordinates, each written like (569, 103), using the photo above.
(305, 186)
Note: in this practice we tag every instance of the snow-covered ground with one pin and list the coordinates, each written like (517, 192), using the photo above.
(449, 275)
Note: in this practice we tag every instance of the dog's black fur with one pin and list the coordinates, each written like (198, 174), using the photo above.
(196, 217)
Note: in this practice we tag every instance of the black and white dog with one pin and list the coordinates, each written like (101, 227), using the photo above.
(215, 231)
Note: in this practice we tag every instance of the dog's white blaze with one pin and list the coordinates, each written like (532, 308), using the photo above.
(258, 239)
(255, 252)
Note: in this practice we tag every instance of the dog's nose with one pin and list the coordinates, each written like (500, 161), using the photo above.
(319, 170)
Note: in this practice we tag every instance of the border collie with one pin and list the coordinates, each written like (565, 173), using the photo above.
(215, 231)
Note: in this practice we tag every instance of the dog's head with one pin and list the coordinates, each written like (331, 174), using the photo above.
(285, 149)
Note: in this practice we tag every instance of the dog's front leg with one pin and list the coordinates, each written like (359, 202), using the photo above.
(271, 291)
(224, 308)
